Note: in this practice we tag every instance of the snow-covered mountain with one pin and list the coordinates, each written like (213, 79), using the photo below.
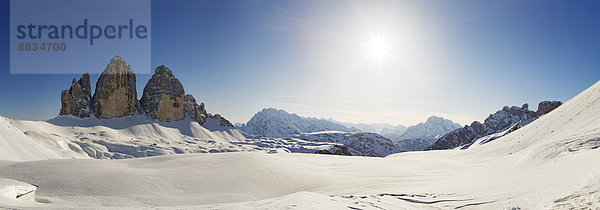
(414, 138)
(380, 128)
(271, 122)
(392, 132)
(420, 136)
(358, 143)
(496, 125)
(432, 127)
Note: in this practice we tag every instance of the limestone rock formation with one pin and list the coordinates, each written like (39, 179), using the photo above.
(547, 106)
(220, 120)
(116, 94)
(508, 119)
(77, 100)
(199, 113)
(336, 150)
(195, 111)
(163, 97)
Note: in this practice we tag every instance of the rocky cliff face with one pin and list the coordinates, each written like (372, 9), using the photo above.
(547, 106)
(195, 111)
(163, 97)
(77, 100)
(199, 114)
(508, 119)
(220, 120)
(116, 94)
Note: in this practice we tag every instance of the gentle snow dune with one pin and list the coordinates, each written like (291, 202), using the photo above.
(17, 145)
(550, 163)
(67, 137)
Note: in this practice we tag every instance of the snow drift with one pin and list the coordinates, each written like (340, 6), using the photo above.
(67, 137)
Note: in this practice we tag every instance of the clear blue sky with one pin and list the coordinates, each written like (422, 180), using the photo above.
(458, 59)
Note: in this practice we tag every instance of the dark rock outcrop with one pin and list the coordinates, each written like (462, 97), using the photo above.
(361, 143)
(547, 106)
(199, 114)
(220, 120)
(336, 150)
(323, 152)
(163, 97)
(116, 94)
(77, 100)
(508, 119)
(193, 110)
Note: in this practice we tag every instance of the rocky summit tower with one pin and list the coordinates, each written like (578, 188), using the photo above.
(116, 94)
(163, 96)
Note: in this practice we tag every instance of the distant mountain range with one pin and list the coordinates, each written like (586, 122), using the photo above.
(358, 143)
(504, 121)
(420, 136)
(380, 128)
(271, 122)
(434, 133)
(414, 138)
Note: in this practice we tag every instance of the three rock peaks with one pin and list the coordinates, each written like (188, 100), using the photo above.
(163, 99)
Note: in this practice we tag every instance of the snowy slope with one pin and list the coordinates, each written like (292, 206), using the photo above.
(17, 144)
(271, 122)
(549, 163)
(16, 193)
(504, 121)
(68, 137)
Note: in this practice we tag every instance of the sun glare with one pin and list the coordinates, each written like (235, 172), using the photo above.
(378, 48)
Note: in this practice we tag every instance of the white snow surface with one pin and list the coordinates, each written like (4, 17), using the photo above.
(10, 189)
(550, 163)
(67, 137)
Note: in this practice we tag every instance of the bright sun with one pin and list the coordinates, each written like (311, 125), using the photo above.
(378, 48)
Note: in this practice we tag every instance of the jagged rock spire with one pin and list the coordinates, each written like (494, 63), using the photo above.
(77, 100)
(116, 94)
(163, 96)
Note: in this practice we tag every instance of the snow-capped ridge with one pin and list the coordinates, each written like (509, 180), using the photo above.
(506, 120)
(271, 122)
(420, 136)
